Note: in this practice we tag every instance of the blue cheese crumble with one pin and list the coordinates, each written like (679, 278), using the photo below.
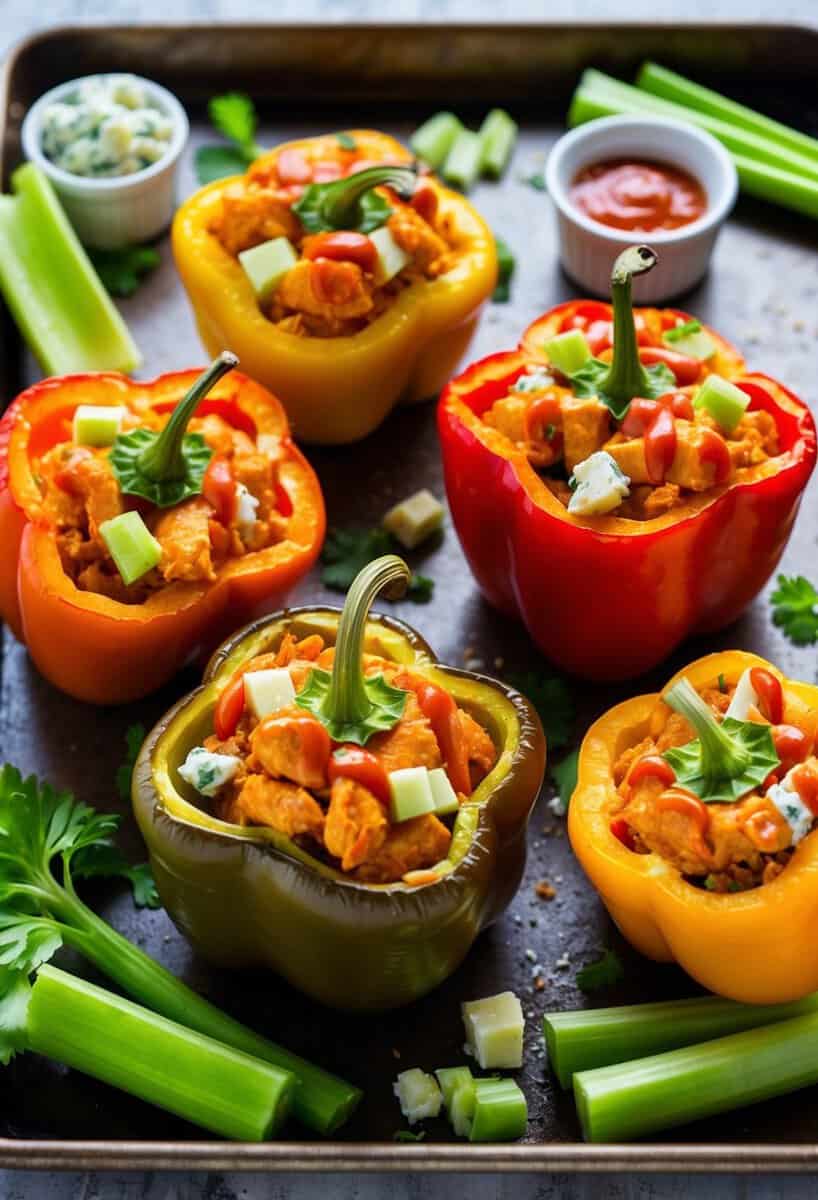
(600, 485)
(109, 127)
(792, 808)
(208, 772)
(535, 381)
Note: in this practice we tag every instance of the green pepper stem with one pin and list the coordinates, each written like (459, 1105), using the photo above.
(163, 460)
(721, 756)
(346, 701)
(627, 377)
(340, 200)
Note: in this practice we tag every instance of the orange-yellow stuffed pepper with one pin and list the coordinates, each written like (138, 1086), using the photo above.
(704, 848)
(343, 280)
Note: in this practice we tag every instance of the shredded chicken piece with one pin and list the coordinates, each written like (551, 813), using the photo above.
(251, 215)
(481, 751)
(184, 535)
(356, 825)
(283, 806)
(345, 291)
(409, 846)
(416, 237)
(278, 745)
(411, 743)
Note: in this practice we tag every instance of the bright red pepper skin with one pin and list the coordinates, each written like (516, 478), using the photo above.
(611, 599)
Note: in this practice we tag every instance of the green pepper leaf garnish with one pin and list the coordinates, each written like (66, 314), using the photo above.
(616, 383)
(350, 705)
(167, 467)
(350, 203)
(727, 760)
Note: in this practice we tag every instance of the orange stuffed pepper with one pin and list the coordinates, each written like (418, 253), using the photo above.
(146, 522)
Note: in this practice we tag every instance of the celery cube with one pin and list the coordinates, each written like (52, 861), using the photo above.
(500, 1111)
(443, 793)
(391, 258)
(415, 518)
(698, 344)
(266, 265)
(97, 424)
(419, 1095)
(457, 1085)
(131, 545)
(267, 691)
(494, 1030)
(411, 793)
(725, 402)
(434, 139)
(568, 351)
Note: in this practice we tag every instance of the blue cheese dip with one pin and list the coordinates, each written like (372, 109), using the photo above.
(110, 126)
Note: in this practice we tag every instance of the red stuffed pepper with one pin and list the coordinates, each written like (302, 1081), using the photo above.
(620, 482)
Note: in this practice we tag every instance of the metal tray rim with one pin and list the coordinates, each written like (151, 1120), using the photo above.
(374, 1157)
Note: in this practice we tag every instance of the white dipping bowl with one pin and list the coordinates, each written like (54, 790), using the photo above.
(588, 248)
(123, 209)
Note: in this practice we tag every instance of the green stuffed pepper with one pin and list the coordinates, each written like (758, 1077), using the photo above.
(336, 805)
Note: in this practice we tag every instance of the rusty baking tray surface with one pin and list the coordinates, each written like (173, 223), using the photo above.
(761, 294)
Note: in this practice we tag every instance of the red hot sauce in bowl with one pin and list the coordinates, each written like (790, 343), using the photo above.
(639, 196)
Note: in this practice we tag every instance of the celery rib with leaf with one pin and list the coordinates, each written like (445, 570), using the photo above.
(40, 828)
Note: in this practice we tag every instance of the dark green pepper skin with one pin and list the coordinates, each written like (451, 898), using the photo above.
(246, 896)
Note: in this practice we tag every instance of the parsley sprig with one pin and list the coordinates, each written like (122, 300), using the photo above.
(234, 116)
(122, 271)
(347, 551)
(795, 609)
(553, 700)
(605, 972)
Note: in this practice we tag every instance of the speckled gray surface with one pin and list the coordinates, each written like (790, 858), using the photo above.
(20, 1186)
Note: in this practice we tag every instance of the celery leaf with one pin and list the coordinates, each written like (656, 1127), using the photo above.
(795, 609)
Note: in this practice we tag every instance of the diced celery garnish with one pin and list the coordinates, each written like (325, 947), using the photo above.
(457, 1085)
(97, 424)
(414, 519)
(51, 287)
(695, 345)
(418, 1094)
(433, 140)
(391, 258)
(443, 793)
(494, 1030)
(266, 265)
(568, 351)
(725, 402)
(131, 545)
(267, 691)
(500, 1111)
(411, 793)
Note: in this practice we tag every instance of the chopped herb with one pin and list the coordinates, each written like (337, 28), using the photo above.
(535, 180)
(682, 331)
(348, 551)
(710, 883)
(505, 269)
(564, 774)
(605, 972)
(346, 141)
(134, 737)
(795, 609)
(406, 1135)
(234, 116)
(551, 696)
(722, 684)
(122, 271)
(106, 860)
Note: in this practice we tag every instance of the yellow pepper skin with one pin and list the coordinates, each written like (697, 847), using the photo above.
(337, 390)
(749, 946)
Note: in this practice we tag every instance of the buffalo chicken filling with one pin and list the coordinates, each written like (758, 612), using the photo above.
(723, 847)
(282, 770)
(240, 510)
(336, 287)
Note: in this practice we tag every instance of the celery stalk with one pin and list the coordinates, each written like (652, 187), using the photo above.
(112, 1039)
(760, 179)
(760, 149)
(462, 165)
(633, 1099)
(670, 86)
(497, 134)
(51, 287)
(598, 1037)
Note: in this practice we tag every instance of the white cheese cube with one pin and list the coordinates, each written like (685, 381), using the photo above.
(415, 518)
(744, 697)
(246, 512)
(494, 1030)
(391, 258)
(601, 486)
(208, 772)
(535, 381)
(267, 691)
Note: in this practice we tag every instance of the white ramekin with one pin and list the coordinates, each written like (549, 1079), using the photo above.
(123, 210)
(588, 249)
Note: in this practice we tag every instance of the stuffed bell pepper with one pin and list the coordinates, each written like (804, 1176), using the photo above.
(696, 818)
(334, 804)
(620, 481)
(141, 522)
(344, 281)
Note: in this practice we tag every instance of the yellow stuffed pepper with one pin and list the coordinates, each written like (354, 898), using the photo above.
(343, 279)
(696, 818)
